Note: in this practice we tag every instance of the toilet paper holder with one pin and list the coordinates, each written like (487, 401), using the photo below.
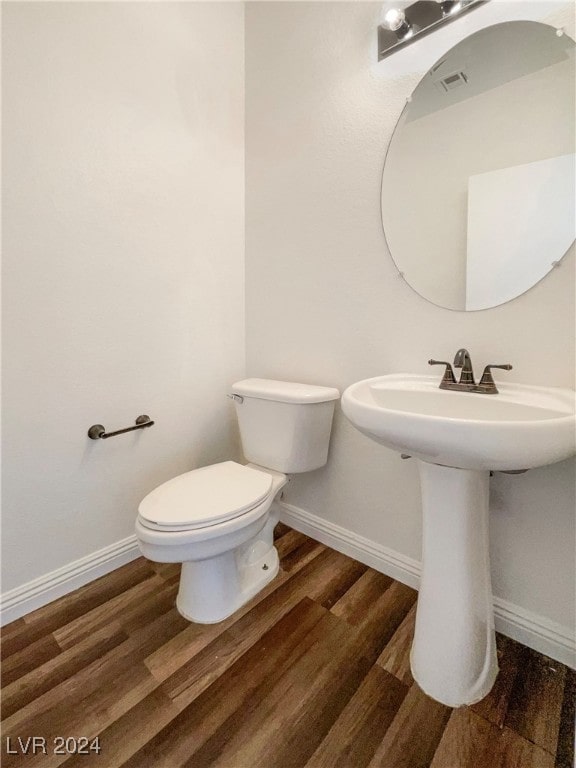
(98, 431)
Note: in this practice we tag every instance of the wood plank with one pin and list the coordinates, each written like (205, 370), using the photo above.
(338, 573)
(203, 669)
(155, 604)
(65, 665)
(285, 722)
(93, 594)
(566, 735)
(86, 715)
(76, 604)
(536, 700)
(27, 659)
(169, 571)
(381, 620)
(495, 706)
(235, 690)
(301, 554)
(121, 658)
(280, 530)
(22, 638)
(412, 739)
(469, 741)
(354, 604)
(13, 628)
(76, 630)
(288, 542)
(395, 658)
(356, 734)
(130, 732)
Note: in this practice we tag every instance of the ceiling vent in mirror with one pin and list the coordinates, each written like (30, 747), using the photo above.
(450, 82)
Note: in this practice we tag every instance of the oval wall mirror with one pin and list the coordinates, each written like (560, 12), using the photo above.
(478, 188)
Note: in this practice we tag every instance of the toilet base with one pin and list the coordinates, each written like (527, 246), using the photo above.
(214, 589)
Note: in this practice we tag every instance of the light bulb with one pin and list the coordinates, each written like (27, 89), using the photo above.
(395, 19)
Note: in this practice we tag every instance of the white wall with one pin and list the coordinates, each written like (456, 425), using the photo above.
(123, 262)
(325, 304)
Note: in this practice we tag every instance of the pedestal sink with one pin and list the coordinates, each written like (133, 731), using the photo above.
(457, 438)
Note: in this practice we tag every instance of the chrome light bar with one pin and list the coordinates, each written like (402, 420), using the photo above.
(402, 27)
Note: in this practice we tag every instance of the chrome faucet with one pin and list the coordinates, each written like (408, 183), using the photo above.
(462, 360)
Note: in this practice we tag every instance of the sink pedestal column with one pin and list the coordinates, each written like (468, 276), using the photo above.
(453, 655)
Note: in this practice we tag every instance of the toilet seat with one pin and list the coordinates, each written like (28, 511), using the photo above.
(205, 497)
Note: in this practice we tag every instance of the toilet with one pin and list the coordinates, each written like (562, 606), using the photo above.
(218, 521)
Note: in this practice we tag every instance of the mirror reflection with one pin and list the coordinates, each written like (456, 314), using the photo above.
(478, 189)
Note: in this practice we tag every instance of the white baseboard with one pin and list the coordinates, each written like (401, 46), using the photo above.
(22, 600)
(531, 629)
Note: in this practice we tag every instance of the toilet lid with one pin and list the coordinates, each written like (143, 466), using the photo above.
(205, 496)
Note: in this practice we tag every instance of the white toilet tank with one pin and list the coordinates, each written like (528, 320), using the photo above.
(284, 426)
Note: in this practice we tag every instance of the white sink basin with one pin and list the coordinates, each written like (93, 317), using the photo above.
(457, 437)
(519, 428)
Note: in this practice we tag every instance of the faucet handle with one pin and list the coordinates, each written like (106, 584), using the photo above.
(487, 380)
(448, 377)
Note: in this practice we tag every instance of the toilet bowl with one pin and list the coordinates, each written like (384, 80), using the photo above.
(224, 562)
(218, 521)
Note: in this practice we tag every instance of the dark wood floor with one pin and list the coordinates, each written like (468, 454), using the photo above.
(314, 672)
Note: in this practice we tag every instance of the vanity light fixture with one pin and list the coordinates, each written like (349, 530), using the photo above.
(401, 27)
